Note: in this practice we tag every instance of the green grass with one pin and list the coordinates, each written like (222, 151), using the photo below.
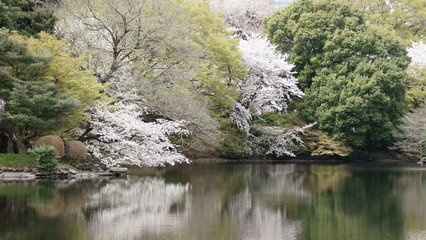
(17, 160)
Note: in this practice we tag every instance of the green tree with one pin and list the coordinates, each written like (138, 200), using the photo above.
(26, 16)
(32, 104)
(222, 67)
(352, 74)
(5, 16)
(415, 83)
(184, 55)
(405, 19)
(71, 74)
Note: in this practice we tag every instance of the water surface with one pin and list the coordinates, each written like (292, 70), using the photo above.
(223, 201)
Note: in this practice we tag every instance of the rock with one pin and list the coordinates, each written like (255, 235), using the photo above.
(118, 169)
(119, 172)
(64, 168)
(75, 151)
(26, 169)
(105, 174)
(52, 140)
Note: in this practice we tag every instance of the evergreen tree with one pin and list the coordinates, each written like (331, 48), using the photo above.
(26, 16)
(71, 74)
(352, 75)
(32, 104)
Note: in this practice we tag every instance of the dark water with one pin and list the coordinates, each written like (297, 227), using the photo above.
(224, 201)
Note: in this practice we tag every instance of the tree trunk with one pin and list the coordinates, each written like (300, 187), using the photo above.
(22, 147)
(10, 145)
(19, 141)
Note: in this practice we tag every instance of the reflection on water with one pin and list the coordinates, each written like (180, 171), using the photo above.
(223, 201)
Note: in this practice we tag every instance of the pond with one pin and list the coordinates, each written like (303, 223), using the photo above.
(223, 201)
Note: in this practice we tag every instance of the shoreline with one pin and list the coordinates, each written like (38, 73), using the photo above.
(64, 172)
(299, 160)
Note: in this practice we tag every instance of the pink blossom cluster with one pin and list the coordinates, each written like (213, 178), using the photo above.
(2, 104)
(124, 138)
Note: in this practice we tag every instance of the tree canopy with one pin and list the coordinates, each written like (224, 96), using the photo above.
(154, 54)
(352, 75)
(70, 73)
(26, 16)
(404, 19)
(32, 104)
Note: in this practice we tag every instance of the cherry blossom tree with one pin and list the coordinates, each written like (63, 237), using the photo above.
(413, 134)
(120, 32)
(417, 52)
(157, 53)
(122, 137)
(413, 129)
(415, 81)
(270, 82)
(245, 15)
(268, 87)
(278, 141)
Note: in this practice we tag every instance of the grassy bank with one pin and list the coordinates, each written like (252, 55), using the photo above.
(17, 161)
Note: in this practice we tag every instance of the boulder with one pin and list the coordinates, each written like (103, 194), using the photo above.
(52, 140)
(118, 171)
(75, 151)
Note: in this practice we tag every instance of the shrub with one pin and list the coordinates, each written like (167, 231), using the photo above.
(75, 150)
(319, 143)
(45, 156)
(233, 145)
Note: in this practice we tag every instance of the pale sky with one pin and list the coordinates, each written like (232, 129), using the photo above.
(282, 3)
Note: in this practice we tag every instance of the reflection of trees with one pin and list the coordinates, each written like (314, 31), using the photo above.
(31, 210)
(411, 188)
(230, 201)
(226, 201)
(362, 207)
(125, 209)
(252, 205)
(322, 178)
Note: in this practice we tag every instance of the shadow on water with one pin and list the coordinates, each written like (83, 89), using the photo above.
(223, 201)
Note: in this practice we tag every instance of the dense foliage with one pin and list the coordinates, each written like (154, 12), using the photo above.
(71, 74)
(185, 56)
(405, 19)
(141, 81)
(32, 104)
(46, 156)
(352, 75)
(26, 16)
(415, 80)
